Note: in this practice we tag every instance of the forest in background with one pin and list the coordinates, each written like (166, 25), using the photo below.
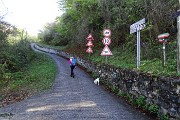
(82, 17)
(23, 72)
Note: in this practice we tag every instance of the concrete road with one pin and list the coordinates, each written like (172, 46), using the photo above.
(71, 99)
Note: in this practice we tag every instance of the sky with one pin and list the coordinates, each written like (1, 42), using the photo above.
(30, 15)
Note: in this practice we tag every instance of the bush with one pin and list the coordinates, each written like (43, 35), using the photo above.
(13, 58)
(140, 101)
(153, 109)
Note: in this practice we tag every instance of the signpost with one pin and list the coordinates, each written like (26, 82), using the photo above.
(136, 27)
(106, 41)
(163, 38)
(106, 51)
(90, 37)
(177, 15)
(178, 38)
(107, 32)
(89, 44)
(89, 50)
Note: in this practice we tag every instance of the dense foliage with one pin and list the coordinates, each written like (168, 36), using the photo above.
(15, 51)
(82, 17)
(22, 71)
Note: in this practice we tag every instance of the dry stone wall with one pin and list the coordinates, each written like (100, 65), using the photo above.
(161, 91)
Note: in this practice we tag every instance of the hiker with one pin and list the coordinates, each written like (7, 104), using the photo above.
(72, 62)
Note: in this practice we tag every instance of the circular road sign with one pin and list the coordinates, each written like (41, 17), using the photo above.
(106, 41)
(107, 32)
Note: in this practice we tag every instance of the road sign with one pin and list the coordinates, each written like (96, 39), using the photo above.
(106, 51)
(90, 37)
(138, 26)
(89, 50)
(164, 35)
(107, 32)
(89, 43)
(106, 41)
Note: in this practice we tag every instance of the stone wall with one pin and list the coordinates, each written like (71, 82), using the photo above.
(161, 91)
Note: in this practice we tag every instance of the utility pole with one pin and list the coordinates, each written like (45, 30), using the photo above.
(178, 43)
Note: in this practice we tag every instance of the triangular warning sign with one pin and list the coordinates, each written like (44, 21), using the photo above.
(89, 44)
(90, 37)
(89, 50)
(106, 51)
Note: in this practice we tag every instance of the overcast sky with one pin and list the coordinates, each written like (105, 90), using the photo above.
(31, 15)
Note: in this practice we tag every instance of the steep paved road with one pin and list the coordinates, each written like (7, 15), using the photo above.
(71, 99)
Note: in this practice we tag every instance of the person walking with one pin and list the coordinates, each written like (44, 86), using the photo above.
(72, 62)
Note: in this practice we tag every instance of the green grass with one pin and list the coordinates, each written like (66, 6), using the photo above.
(119, 59)
(126, 58)
(37, 77)
(155, 67)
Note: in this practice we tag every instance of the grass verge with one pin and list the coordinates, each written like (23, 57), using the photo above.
(37, 77)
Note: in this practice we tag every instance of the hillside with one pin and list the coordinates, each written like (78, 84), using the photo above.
(82, 18)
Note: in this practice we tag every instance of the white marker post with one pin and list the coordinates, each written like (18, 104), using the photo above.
(164, 39)
(136, 27)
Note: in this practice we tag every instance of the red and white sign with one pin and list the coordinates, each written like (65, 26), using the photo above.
(90, 37)
(163, 36)
(107, 32)
(106, 41)
(106, 51)
(89, 50)
(89, 43)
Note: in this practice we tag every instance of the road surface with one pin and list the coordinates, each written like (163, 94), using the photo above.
(71, 99)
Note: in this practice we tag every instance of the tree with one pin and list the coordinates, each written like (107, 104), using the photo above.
(5, 30)
(82, 17)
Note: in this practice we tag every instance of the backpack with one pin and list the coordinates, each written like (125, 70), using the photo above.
(73, 61)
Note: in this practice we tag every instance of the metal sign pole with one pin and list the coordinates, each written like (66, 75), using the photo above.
(138, 48)
(106, 59)
(136, 27)
(178, 45)
(164, 54)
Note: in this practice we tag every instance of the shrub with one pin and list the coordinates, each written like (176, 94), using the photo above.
(153, 109)
(140, 101)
